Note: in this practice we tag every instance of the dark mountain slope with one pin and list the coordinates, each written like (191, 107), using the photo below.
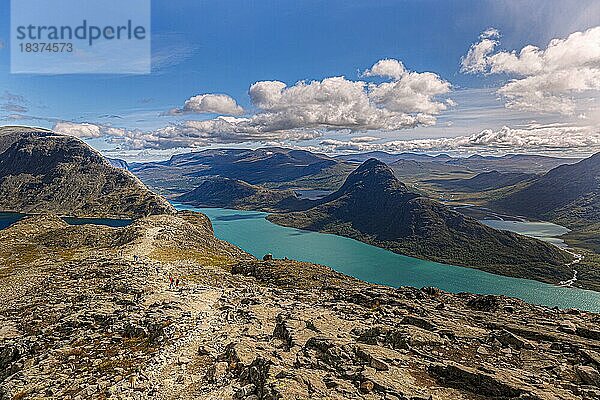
(375, 207)
(484, 181)
(569, 193)
(233, 193)
(41, 171)
(411, 170)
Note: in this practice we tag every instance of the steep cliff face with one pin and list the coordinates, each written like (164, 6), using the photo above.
(41, 171)
(375, 207)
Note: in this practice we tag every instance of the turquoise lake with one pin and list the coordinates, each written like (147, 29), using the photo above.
(252, 232)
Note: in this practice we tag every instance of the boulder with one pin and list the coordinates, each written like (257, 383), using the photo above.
(483, 383)
(510, 339)
(484, 303)
(283, 332)
(589, 375)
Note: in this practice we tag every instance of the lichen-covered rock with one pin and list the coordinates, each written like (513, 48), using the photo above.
(81, 318)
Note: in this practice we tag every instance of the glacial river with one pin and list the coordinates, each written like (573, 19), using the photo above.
(252, 232)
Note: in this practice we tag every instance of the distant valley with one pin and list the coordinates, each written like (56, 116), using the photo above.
(479, 181)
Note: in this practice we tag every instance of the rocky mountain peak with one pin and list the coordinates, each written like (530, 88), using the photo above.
(372, 176)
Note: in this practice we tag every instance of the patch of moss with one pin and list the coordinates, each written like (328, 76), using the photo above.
(202, 257)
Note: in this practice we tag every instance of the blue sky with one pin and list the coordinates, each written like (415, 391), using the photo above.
(202, 47)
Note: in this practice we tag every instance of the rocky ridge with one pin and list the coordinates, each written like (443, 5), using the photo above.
(81, 318)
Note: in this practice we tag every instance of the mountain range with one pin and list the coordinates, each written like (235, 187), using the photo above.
(87, 311)
(281, 168)
(527, 163)
(184, 172)
(489, 185)
(390, 158)
(484, 181)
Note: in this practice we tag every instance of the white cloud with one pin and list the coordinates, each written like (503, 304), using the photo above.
(303, 111)
(476, 59)
(82, 131)
(188, 134)
(266, 94)
(407, 100)
(408, 92)
(534, 137)
(388, 68)
(545, 79)
(209, 104)
(331, 104)
(413, 93)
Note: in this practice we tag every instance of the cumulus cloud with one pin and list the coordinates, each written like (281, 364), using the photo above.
(534, 137)
(188, 134)
(209, 104)
(476, 59)
(82, 131)
(407, 99)
(331, 104)
(388, 67)
(544, 79)
(304, 110)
